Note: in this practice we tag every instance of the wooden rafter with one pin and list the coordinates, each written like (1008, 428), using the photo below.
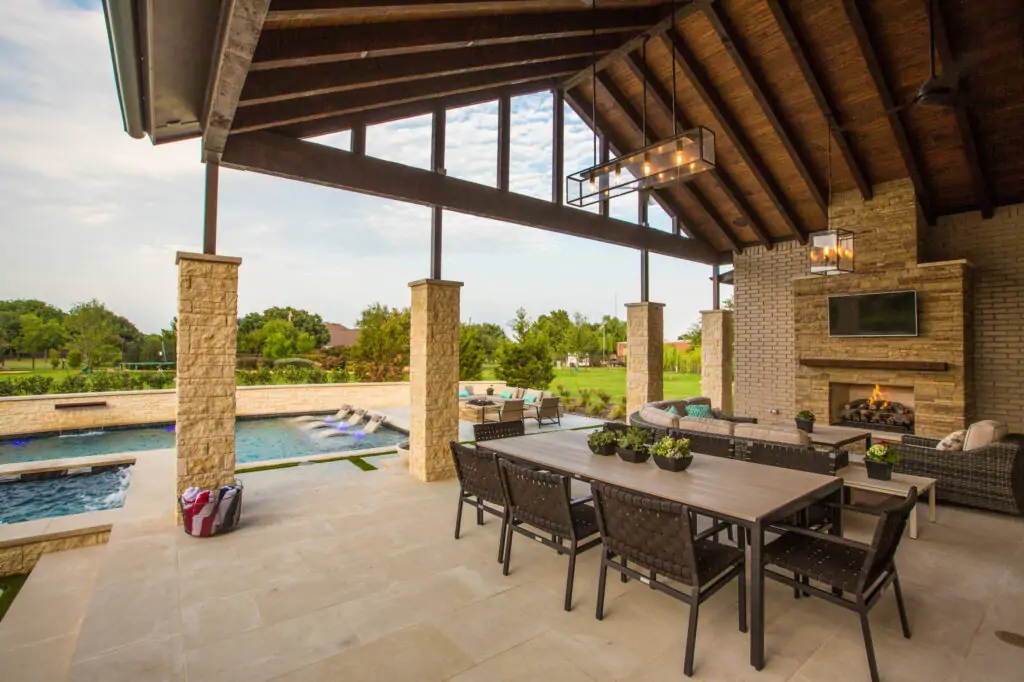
(899, 131)
(320, 79)
(706, 91)
(275, 114)
(303, 46)
(982, 195)
(310, 162)
(662, 98)
(755, 82)
(811, 72)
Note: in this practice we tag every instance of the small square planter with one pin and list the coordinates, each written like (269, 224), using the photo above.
(880, 471)
(672, 463)
(632, 456)
(805, 425)
(603, 450)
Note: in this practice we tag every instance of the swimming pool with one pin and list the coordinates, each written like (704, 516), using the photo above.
(256, 440)
(63, 495)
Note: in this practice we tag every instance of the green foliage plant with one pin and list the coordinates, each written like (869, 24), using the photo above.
(806, 415)
(54, 357)
(526, 363)
(601, 438)
(471, 354)
(616, 412)
(382, 352)
(672, 448)
(74, 359)
(883, 451)
(635, 438)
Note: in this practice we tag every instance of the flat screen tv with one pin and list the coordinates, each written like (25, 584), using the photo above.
(890, 314)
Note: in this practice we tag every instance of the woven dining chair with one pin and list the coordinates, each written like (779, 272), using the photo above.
(541, 499)
(495, 430)
(846, 566)
(658, 536)
(479, 487)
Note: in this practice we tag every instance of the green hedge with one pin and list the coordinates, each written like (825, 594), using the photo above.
(37, 384)
(265, 376)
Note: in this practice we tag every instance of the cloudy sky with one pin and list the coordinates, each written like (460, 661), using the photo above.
(87, 212)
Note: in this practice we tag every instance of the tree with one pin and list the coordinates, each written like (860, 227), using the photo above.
(37, 336)
(249, 327)
(557, 327)
(30, 306)
(694, 335)
(54, 357)
(382, 352)
(614, 331)
(74, 358)
(471, 353)
(520, 325)
(490, 336)
(93, 332)
(527, 363)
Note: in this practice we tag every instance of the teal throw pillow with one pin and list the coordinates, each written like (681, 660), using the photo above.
(463, 393)
(530, 399)
(672, 410)
(506, 395)
(699, 411)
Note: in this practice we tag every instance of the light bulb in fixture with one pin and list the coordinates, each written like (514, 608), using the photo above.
(593, 183)
(647, 166)
(679, 153)
(618, 174)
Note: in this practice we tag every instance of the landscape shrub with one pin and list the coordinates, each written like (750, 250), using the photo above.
(54, 357)
(293, 362)
(617, 412)
(75, 359)
(595, 408)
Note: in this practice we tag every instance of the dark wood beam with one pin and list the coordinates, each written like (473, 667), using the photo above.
(634, 118)
(557, 146)
(320, 79)
(803, 57)
(504, 141)
(664, 23)
(663, 99)
(727, 123)
(303, 46)
(275, 114)
(241, 22)
(369, 117)
(310, 162)
(982, 195)
(899, 131)
(613, 144)
(392, 10)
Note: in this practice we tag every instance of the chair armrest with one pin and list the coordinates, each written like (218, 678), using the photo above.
(920, 441)
(838, 539)
(581, 500)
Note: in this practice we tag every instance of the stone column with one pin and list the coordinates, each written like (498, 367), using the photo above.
(716, 358)
(207, 324)
(434, 378)
(645, 335)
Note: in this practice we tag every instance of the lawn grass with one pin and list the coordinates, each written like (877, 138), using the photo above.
(42, 369)
(9, 588)
(612, 380)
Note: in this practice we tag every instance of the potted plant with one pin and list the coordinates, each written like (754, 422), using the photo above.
(632, 445)
(602, 442)
(490, 390)
(805, 420)
(880, 459)
(672, 454)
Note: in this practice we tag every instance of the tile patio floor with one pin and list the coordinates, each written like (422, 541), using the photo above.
(343, 575)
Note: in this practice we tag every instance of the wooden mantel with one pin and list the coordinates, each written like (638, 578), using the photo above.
(896, 365)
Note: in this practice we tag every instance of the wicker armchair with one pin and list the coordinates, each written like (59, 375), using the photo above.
(495, 430)
(991, 477)
(479, 487)
(657, 536)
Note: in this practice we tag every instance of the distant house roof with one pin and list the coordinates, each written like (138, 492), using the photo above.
(341, 336)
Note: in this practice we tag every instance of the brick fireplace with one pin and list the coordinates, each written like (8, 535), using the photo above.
(878, 407)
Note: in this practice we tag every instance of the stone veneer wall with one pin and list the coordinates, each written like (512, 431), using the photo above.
(21, 556)
(717, 344)
(995, 247)
(645, 339)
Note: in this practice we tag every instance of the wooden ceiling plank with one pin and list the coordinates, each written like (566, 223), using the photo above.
(241, 23)
(706, 91)
(803, 57)
(727, 33)
(281, 84)
(286, 157)
(661, 97)
(303, 46)
(276, 114)
(604, 79)
(882, 89)
(982, 195)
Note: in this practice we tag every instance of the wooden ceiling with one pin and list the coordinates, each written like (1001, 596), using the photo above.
(764, 75)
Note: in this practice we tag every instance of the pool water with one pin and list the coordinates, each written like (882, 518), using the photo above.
(64, 495)
(255, 441)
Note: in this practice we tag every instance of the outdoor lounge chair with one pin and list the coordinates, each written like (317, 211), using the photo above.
(375, 422)
(658, 536)
(546, 409)
(357, 417)
(542, 499)
(511, 410)
(495, 430)
(846, 566)
(480, 487)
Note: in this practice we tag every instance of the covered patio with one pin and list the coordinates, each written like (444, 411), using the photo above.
(819, 121)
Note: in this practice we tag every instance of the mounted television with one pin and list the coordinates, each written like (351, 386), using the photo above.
(890, 314)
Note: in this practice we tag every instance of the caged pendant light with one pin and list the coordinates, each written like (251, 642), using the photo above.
(831, 249)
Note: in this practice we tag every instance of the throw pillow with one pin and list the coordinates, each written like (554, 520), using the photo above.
(954, 442)
(699, 411)
(672, 410)
(506, 395)
(463, 393)
(530, 399)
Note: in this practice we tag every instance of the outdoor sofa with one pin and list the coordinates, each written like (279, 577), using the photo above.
(544, 406)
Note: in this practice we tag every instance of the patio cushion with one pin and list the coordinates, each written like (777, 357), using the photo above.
(652, 415)
(984, 433)
(774, 433)
(463, 393)
(954, 442)
(672, 410)
(532, 393)
(700, 411)
(506, 395)
(718, 427)
(530, 399)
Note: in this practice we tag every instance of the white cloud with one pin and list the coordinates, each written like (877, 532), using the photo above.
(88, 212)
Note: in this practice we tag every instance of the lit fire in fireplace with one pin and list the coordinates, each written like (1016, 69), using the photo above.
(878, 411)
(877, 397)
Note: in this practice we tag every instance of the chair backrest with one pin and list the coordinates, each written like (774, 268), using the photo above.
(547, 407)
(495, 430)
(706, 443)
(888, 533)
(801, 457)
(512, 409)
(540, 498)
(652, 532)
(478, 473)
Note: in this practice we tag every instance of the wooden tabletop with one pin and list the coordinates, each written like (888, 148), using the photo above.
(727, 487)
(900, 484)
(826, 434)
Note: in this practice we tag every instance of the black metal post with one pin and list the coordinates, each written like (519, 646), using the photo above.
(716, 289)
(645, 256)
(437, 145)
(558, 147)
(359, 140)
(605, 155)
(210, 213)
(504, 140)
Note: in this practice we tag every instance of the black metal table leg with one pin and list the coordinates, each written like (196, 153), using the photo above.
(757, 596)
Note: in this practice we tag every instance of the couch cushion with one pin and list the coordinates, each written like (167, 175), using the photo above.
(532, 393)
(699, 410)
(954, 442)
(465, 392)
(506, 394)
(718, 427)
(672, 409)
(984, 433)
(789, 435)
(657, 417)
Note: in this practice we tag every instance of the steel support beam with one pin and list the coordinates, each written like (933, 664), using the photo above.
(504, 140)
(437, 147)
(210, 208)
(645, 256)
(359, 140)
(716, 288)
(606, 155)
(557, 146)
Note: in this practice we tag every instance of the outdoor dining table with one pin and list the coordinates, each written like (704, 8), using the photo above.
(752, 496)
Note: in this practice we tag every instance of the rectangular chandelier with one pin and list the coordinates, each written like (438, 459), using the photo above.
(676, 159)
(831, 252)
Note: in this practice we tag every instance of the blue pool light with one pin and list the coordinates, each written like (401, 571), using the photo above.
(329, 420)
(19, 443)
(359, 435)
(170, 428)
(342, 426)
